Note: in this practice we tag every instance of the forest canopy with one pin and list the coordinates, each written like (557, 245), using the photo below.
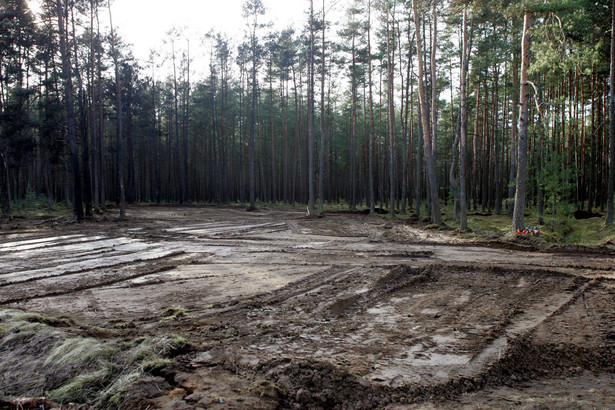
(402, 105)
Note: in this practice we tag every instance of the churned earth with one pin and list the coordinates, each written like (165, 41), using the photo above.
(188, 307)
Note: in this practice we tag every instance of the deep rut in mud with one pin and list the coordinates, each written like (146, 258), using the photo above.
(347, 311)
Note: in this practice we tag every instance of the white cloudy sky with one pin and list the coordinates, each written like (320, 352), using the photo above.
(145, 23)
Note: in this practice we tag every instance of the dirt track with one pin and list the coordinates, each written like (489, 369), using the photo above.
(342, 311)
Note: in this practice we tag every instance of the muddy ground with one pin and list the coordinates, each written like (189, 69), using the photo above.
(278, 310)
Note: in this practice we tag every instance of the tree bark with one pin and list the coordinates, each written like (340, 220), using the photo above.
(434, 81)
(352, 202)
(83, 125)
(70, 113)
(514, 135)
(311, 142)
(430, 162)
(611, 187)
(463, 113)
(120, 136)
(524, 97)
(391, 110)
(321, 161)
(251, 165)
(186, 179)
(372, 132)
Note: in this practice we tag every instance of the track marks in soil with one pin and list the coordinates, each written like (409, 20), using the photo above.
(325, 312)
(425, 341)
(89, 278)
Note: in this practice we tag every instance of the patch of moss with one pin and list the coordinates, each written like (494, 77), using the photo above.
(174, 313)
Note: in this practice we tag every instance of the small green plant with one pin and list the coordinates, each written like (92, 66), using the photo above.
(174, 313)
(555, 181)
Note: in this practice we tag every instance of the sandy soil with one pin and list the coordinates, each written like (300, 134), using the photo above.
(346, 311)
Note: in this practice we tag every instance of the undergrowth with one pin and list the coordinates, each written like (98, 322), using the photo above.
(562, 228)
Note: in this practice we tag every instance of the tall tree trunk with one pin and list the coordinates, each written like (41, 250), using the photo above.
(372, 133)
(178, 156)
(430, 162)
(130, 155)
(406, 124)
(391, 109)
(83, 125)
(186, 179)
(463, 113)
(524, 96)
(101, 122)
(496, 148)
(93, 122)
(311, 142)
(353, 131)
(118, 100)
(475, 142)
(514, 136)
(70, 113)
(251, 159)
(611, 183)
(540, 161)
(321, 160)
(272, 131)
(434, 81)
(4, 187)
(419, 165)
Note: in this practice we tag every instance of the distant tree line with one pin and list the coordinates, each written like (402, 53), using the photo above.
(406, 106)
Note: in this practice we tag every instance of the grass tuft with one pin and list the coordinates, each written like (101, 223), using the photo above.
(75, 351)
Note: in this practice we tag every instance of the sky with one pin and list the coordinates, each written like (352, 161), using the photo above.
(145, 24)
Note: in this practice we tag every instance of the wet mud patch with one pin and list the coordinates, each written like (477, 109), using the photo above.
(411, 327)
(397, 278)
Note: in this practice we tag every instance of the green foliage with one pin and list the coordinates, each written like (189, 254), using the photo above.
(31, 201)
(561, 229)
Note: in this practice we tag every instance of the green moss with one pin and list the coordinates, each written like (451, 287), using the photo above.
(174, 313)
(47, 320)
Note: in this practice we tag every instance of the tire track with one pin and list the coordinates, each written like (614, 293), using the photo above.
(139, 274)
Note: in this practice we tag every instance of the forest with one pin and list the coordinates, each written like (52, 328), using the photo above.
(408, 106)
(156, 252)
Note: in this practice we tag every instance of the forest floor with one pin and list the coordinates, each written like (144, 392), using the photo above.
(188, 307)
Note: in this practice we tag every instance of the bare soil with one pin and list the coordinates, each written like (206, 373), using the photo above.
(282, 310)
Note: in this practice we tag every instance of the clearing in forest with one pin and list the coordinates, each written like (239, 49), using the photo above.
(186, 307)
